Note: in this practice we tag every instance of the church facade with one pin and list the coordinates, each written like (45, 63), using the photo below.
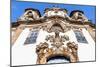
(54, 37)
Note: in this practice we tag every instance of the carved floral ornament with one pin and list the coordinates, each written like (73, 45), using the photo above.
(44, 51)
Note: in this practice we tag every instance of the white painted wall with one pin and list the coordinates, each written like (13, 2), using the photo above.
(25, 54)
(22, 54)
(86, 52)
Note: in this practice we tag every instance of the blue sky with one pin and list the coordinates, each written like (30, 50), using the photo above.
(17, 9)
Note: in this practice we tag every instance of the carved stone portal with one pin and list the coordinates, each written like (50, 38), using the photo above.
(44, 52)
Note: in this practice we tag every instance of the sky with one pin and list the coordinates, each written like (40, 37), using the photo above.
(18, 8)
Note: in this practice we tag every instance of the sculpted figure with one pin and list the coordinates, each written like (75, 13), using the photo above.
(73, 47)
